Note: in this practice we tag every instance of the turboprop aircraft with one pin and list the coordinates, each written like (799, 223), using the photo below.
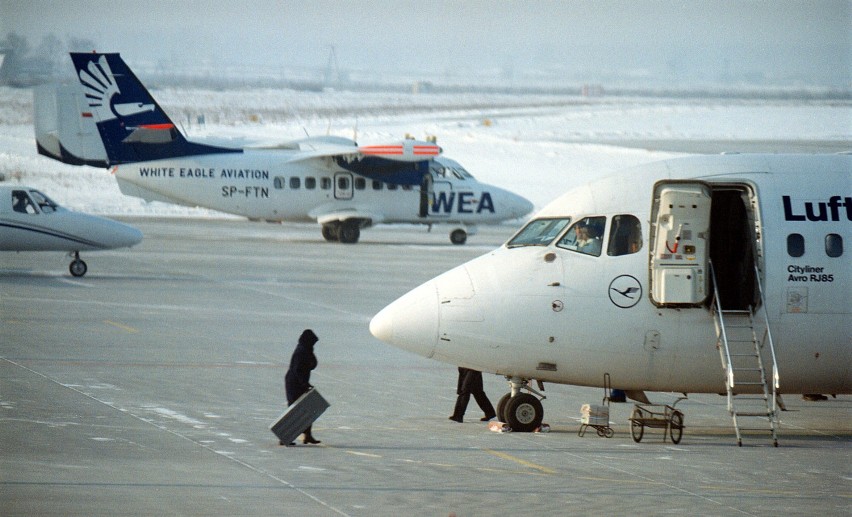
(707, 274)
(332, 180)
(31, 221)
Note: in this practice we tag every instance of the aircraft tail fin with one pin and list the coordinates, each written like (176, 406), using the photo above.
(132, 126)
(61, 133)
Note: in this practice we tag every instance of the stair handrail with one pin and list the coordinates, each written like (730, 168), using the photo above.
(717, 305)
(776, 375)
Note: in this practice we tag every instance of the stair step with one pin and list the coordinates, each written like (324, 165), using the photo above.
(744, 383)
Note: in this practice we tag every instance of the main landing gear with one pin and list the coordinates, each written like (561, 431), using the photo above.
(522, 412)
(347, 232)
(77, 266)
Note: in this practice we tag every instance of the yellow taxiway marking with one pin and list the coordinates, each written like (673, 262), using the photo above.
(122, 327)
(525, 463)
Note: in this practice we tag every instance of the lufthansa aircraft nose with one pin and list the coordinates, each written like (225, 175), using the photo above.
(411, 322)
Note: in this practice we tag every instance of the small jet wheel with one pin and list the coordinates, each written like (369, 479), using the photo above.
(524, 413)
(349, 232)
(676, 427)
(636, 428)
(501, 407)
(77, 267)
(330, 232)
(458, 236)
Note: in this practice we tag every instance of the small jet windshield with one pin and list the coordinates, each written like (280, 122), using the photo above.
(45, 203)
(539, 232)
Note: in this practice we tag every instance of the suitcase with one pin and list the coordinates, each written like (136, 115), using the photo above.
(299, 416)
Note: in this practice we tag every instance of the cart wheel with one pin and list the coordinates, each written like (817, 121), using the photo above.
(600, 431)
(636, 427)
(608, 432)
(676, 427)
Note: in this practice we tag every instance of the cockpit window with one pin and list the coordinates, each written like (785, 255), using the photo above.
(584, 236)
(461, 173)
(625, 236)
(539, 232)
(45, 203)
(441, 171)
(22, 203)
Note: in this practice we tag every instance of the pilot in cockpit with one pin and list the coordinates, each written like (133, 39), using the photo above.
(21, 203)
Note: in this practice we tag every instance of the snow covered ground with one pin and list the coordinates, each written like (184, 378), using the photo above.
(537, 146)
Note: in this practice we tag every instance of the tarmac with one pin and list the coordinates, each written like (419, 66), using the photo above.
(147, 387)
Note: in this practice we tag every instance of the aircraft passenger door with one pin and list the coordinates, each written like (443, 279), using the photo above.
(343, 188)
(425, 194)
(679, 243)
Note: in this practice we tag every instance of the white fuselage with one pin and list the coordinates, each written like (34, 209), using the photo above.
(264, 185)
(41, 225)
(546, 311)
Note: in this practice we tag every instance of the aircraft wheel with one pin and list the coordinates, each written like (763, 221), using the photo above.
(78, 267)
(637, 429)
(349, 232)
(676, 427)
(330, 232)
(501, 407)
(524, 413)
(458, 236)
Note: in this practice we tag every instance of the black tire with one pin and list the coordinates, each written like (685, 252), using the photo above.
(501, 407)
(676, 427)
(636, 428)
(349, 232)
(330, 232)
(608, 432)
(524, 413)
(458, 236)
(77, 267)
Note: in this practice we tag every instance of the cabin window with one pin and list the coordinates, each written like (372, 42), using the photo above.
(360, 183)
(392, 186)
(325, 183)
(22, 203)
(295, 183)
(625, 236)
(407, 187)
(584, 236)
(539, 232)
(343, 183)
(795, 245)
(377, 185)
(310, 183)
(278, 182)
(833, 245)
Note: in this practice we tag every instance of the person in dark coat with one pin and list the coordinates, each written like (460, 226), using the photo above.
(470, 383)
(297, 379)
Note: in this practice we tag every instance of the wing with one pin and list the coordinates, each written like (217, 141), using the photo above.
(403, 163)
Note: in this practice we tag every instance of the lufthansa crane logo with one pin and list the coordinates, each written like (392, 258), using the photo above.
(625, 291)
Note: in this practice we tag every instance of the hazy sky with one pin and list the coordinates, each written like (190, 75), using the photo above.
(727, 40)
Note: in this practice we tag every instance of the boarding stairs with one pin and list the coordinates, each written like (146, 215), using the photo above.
(748, 360)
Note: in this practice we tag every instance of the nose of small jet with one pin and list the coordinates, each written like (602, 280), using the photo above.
(124, 236)
(411, 322)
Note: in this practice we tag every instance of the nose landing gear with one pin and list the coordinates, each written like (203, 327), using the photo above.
(77, 267)
(523, 412)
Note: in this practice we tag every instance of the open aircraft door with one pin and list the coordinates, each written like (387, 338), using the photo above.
(680, 238)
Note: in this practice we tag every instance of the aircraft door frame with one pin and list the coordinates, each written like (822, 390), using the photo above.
(345, 189)
(451, 201)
